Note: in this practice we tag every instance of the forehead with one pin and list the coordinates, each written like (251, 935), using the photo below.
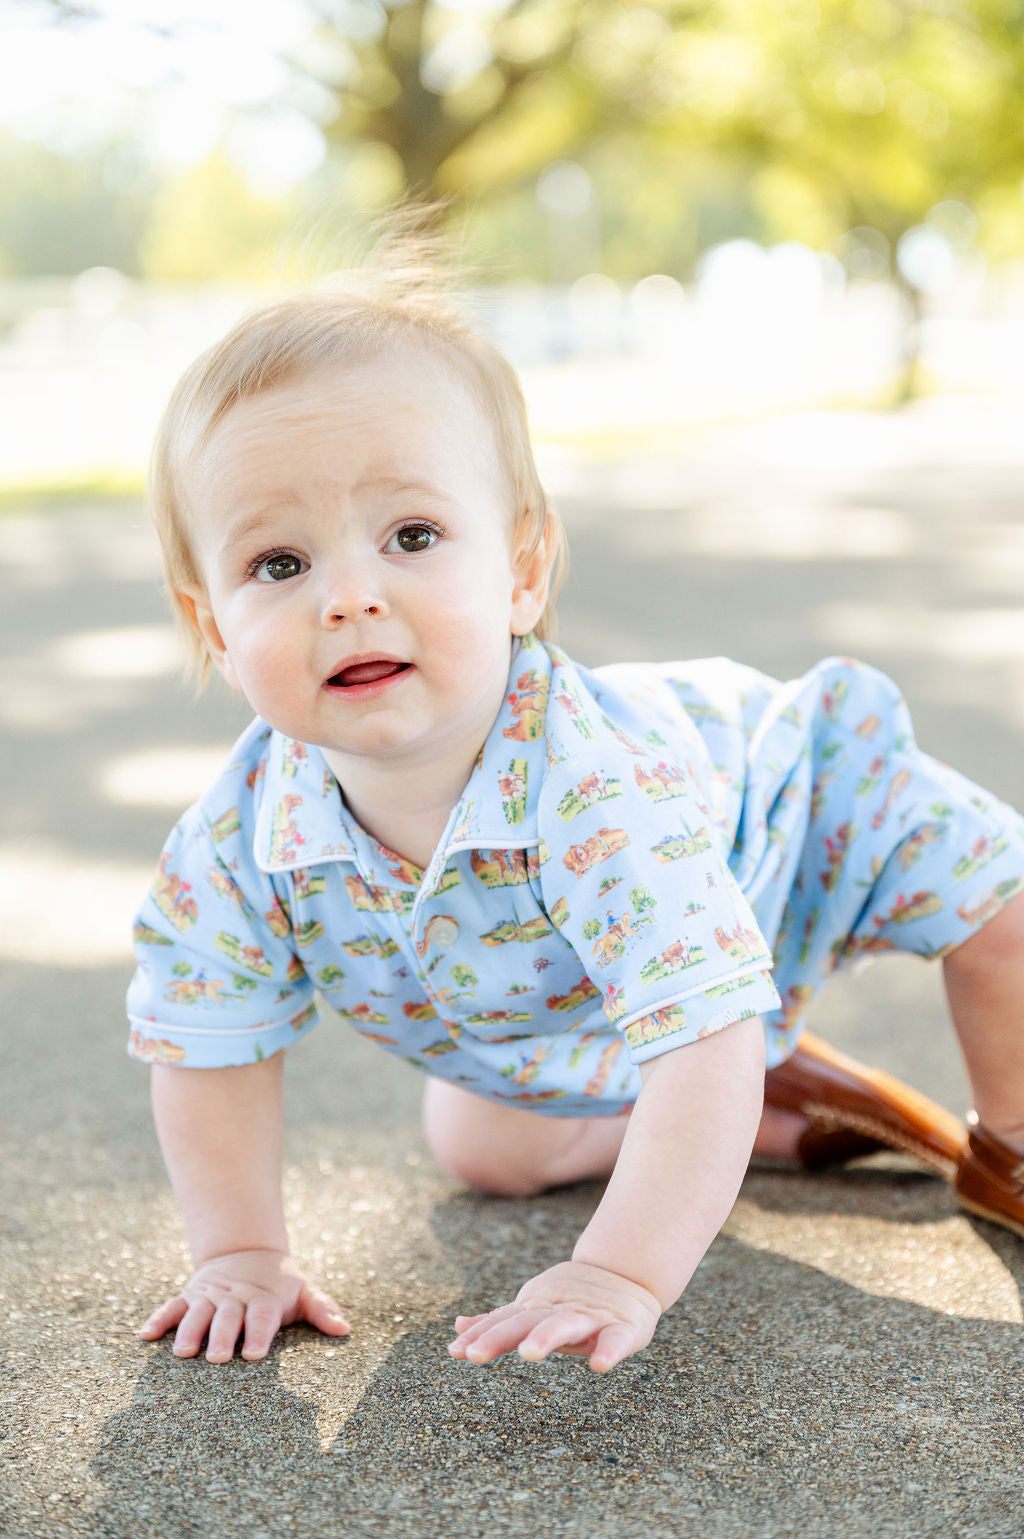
(407, 412)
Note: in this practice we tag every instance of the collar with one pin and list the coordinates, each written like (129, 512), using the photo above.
(302, 820)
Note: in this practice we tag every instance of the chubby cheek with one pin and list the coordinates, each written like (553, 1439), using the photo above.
(263, 661)
(477, 605)
(471, 641)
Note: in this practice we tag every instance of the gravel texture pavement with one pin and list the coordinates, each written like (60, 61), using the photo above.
(849, 1359)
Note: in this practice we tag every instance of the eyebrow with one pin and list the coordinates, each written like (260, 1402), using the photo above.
(398, 487)
(265, 517)
(237, 532)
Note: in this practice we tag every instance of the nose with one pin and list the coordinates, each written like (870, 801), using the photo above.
(352, 594)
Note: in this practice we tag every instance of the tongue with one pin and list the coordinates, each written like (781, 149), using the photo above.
(367, 673)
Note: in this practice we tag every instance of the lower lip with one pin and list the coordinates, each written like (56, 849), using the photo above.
(370, 690)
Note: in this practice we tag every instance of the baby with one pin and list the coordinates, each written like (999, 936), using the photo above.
(562, 893)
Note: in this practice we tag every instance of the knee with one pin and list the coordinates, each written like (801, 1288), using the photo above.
(490, 1178)
(469, 1149)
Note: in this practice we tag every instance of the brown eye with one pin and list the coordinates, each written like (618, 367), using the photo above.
(416, 537)
(279, 567)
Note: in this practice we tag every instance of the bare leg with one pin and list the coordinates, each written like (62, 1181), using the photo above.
(513, 1153)
(985, 985)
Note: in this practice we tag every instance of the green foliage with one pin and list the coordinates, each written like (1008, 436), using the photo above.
(696, 120)
(61, 213)
(70, 491)
(206, 223)
(864, 113)
(699, 122)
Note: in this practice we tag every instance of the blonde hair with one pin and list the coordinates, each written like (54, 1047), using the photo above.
(401, 305)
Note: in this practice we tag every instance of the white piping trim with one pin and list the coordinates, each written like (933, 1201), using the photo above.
(148, 1027)
(677, 999)
(301, 865)
(484, 842)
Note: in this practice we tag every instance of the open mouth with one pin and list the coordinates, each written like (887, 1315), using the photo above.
(366, 673)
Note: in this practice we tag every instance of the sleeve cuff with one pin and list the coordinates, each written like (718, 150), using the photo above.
(674, 1025)
(194, 1048)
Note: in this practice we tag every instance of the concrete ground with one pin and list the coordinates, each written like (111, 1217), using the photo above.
(849, 1359)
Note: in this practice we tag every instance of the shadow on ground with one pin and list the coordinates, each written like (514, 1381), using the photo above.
(802, 1405)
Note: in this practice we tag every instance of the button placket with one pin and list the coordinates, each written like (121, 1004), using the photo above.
(443, 932)
(403, 927)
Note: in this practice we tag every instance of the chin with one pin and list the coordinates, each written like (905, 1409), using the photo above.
(372, 743)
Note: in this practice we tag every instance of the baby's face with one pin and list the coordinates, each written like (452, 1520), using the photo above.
(360, 584)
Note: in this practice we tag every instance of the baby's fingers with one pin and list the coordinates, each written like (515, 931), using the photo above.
(193, 1328)
(321, 1311)
(164, 1319)
(615, 1343)
(469, 1328)
(563, 1328)
(224, 1329)
(482, 1343)
(262, 1323)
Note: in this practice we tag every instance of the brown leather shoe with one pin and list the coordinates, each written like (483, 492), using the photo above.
(853, 1110)
(990, 1181)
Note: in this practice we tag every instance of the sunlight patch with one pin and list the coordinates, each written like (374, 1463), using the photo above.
(943, 1265)
(168, 778)
(788, 531)
(983, 635)
(129, 652)
(59, 910)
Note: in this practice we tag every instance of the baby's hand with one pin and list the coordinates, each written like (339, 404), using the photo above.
(255, 1291)
(574, 1308)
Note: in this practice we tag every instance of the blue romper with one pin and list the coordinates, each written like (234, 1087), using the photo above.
(644, 854)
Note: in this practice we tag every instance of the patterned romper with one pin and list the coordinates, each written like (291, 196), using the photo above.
(643, 855)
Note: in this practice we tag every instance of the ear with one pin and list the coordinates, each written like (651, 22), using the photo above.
(195, 603)
(531, 571)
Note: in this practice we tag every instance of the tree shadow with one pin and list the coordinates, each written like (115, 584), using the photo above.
(774, 1399)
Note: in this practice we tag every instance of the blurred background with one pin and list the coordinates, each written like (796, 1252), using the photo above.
(682, 212)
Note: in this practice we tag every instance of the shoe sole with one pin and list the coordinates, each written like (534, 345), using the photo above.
(989, 1215)
(828, 1120)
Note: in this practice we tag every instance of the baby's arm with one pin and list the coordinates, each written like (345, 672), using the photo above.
(221, 1135)
(680, 1167)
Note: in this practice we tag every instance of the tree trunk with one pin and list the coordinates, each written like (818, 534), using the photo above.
(909, 382)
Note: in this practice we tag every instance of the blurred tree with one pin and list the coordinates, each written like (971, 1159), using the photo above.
(476, 98)
(843, 123)
(207, 223)
(853, 125)
(60, 214)
(874, 109)
(860, 123)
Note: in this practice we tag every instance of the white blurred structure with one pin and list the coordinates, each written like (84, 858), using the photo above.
(86, 364)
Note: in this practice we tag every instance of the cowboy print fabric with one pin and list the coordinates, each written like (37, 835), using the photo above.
(633, 845)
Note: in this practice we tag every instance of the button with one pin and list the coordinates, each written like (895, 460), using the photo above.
(442, 931)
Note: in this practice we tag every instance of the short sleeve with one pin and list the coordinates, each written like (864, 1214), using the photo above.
(632, 876)
(218, 981)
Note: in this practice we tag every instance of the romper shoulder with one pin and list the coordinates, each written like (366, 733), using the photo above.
(709, 692)
(633, 703)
